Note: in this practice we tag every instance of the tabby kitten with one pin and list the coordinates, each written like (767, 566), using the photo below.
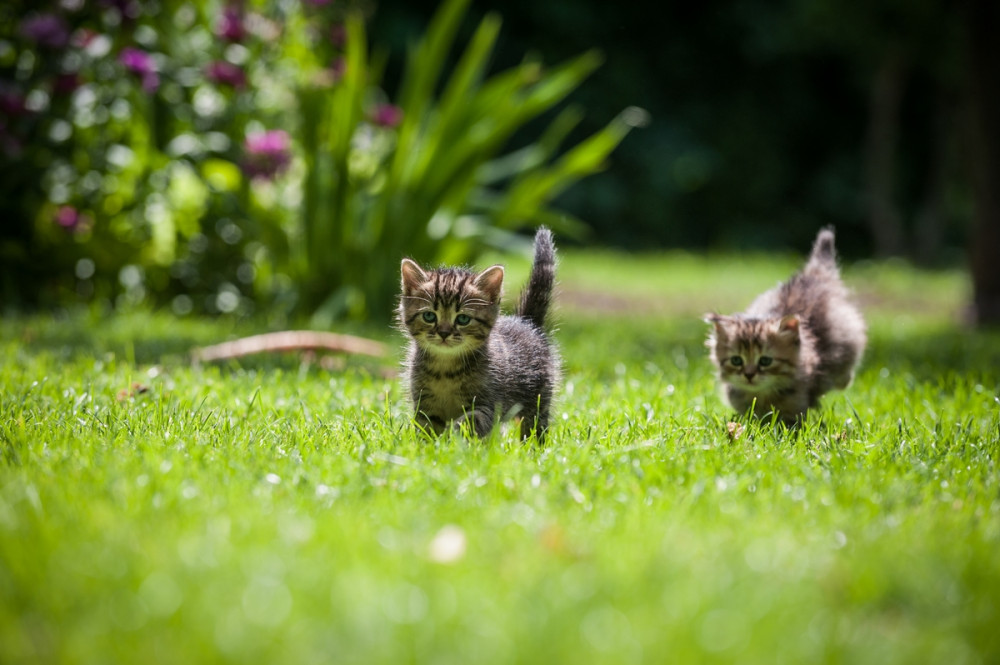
(793, 344)
(466, 362)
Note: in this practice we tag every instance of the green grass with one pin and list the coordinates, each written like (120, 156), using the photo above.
(268, 510)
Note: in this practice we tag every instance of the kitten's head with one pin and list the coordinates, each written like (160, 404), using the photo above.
(755, 355)
(449, 311)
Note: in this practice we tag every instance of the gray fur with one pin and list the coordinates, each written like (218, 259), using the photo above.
(808, 327)
(537, 294)
(490, 368)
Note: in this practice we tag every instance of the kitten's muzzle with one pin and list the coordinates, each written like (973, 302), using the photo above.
(444, 332)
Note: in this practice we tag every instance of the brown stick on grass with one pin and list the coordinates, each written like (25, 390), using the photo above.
(289, 340)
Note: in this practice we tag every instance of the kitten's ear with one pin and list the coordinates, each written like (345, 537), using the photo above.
(413, 275)
(718, 322)
(490, 281)
(789, 324)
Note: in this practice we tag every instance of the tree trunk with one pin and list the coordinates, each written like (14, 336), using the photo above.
(880, 153)
(983, 22)
(931, 218)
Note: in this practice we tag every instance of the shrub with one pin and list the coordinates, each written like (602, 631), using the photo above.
(430, 178)
(221, 156)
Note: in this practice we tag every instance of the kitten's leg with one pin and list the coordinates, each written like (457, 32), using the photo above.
(792, 420)
(481, 419)
(841, 381)
(842, 372)
(429, 424)
(425, 421)
(537, 423)
(741, 401)
(792, 408)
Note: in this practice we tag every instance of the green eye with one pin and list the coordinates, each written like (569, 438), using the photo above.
(463, 319)
(430, 317)
(736, 361)
(765, 361)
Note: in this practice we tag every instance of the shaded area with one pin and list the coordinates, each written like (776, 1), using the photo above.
(769, 119)
(150, 339)
(280, 157)
(935, 355)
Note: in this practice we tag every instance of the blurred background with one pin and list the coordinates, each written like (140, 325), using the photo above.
(278, 157)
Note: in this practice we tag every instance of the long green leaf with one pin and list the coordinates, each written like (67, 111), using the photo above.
(447, 188)
(423, 72)
(529, 192)
(468, 73)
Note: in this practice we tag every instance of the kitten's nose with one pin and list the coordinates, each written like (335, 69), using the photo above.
(750, 376)
(444, 332)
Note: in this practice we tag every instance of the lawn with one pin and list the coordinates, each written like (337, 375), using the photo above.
(279, 509)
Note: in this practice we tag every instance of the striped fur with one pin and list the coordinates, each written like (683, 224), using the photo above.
(537, 294)
(467, 363)
(793, 344)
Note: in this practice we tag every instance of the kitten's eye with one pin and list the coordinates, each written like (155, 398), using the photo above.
(430, 317)
(765, 361)
(736, 361)
(463, 319)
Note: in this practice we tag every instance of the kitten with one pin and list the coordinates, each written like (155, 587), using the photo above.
(466, 362)
(793, 344)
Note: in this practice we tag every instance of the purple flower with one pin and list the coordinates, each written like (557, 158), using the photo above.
(46, 30)
(226, 73)
(338, 35)
(12, 102)
(266, 154)
(72, 219)
(229, 25)
(136, 61)
(386, 115)
(67, 217)
(66, 83)
(141, 64)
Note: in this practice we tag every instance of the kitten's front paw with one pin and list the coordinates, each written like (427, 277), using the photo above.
(475, 423)
(430, 425)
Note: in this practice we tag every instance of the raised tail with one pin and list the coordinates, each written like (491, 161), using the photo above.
(824, 253)
(537, 294)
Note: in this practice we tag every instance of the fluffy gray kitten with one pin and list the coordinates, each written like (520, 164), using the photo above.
(793, 344)
(466, 362)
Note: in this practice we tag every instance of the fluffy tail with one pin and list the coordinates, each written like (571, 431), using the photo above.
(537, 294)
(824, 254)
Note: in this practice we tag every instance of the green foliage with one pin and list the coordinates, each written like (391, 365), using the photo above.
(760, 116)
(122, 178)
(165, 171)
(439, 186)
(268, 510)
